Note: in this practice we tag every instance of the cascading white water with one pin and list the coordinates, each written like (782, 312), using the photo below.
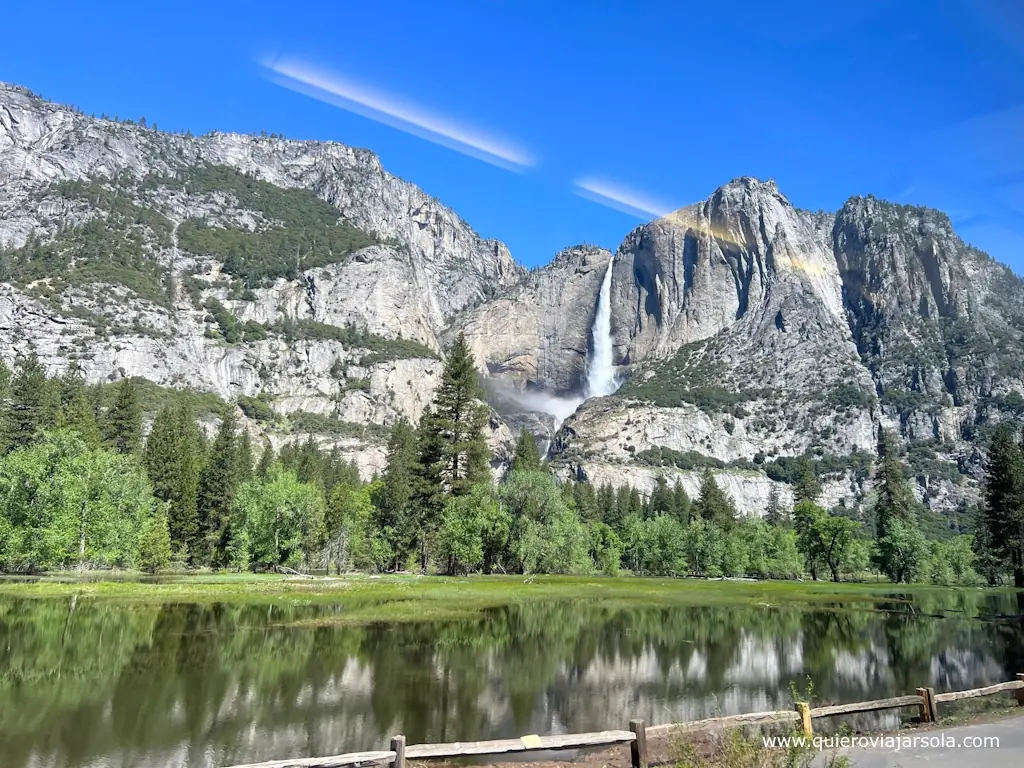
(601, 377)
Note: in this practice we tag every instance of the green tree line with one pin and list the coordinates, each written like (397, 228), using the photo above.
(81, 487)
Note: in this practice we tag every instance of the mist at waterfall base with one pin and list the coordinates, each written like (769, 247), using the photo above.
(601, 380)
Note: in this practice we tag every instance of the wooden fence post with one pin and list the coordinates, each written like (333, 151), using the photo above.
(928, 714)
(1020, 691)
(638, 747)
(933, 706)
(805, 717)
(398, 747)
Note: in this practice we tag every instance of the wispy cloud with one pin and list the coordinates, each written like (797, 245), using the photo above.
(397, 113)
(903, 194)
(620, 198)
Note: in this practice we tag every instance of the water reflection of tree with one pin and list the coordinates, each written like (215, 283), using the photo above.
(226, 683)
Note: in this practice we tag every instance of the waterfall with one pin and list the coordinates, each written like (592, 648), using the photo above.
(601, 377)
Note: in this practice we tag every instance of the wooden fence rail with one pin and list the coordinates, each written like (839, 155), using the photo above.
(926, 700)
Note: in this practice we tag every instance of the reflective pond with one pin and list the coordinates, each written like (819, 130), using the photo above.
(86, 682)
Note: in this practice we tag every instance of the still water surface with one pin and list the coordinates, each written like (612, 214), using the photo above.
(111, 685)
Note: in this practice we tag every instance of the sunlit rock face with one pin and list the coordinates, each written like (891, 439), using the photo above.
(537, 333)
(753, 330)
(429, 265)
(743, 329)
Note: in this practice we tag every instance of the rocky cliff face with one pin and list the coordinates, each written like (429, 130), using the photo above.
(748, 331)
(43, 143)
(755, 331)
(537, 333)
(71, 185)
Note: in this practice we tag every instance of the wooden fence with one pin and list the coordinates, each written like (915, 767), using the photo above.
(926, 700)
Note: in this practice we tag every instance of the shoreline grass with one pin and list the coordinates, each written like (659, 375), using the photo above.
(430, 598)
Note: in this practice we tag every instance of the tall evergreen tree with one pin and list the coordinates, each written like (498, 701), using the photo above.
(26, 414)
(245, 457)
(713, 503)
(988, 559)
(339, 471)
(455, 424)
(6, 375)
(75, 411)
(622, 503)
(217, 484)
(79, 416)
(680, 503)
(309, 465)
(1004, 501)
(586, 501)
(394, 498)
(608, 507)
(71, 384)
(775, 513)
(526, 457)
(122, 425)
(661, 498)
(428, 487)
(173, 458)
(266, 459)
(900, 543)
(895, 500)
(807, 486)
(636, 503)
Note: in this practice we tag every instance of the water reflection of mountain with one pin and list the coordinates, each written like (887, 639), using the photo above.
(91, 682)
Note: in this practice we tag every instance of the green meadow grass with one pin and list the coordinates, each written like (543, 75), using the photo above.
(421, 598)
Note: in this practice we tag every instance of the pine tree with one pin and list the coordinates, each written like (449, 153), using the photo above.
(661, 498)
(173, 457)
(807, 486)
(309, 464)
(217, 484)
(714, 504)
(6, 376)
(456, 423)
(988, 561)
(680, 503)
(899, 541)
(526, 457)
(394, 498)
(586, 501)
(122, 426)
(80, 417)
(26, 414)
(775, 513)
(428, 484)
(608, 507)
(622, 503)
(1004, 501)
(338, 471)
(245, 458)
(895, 499)
(347, 473)
(75, 411)
(266, 459)
(636, 503)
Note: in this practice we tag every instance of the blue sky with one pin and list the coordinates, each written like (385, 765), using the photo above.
(657, 103)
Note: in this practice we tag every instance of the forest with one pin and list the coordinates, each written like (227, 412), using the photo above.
(90, 481)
